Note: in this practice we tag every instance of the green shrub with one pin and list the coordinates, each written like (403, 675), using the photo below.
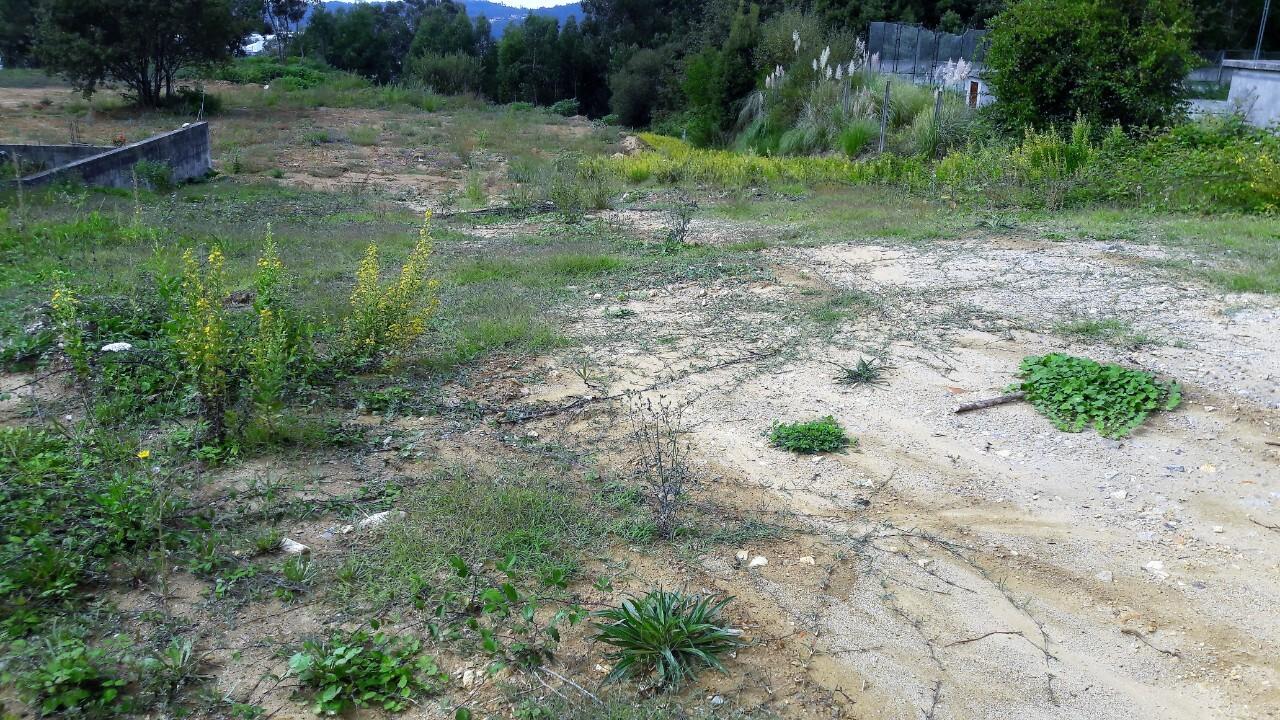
(267, 69)
(670, 635)
(858, 136)
(1051, 60)
(74, 679)
(565, 108)
(154, 174)
(358, 670)
(818, 436)
(1074, 392)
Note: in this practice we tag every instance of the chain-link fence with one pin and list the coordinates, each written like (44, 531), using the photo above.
(919, 53)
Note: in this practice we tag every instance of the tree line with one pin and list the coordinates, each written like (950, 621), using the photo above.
(681, 62)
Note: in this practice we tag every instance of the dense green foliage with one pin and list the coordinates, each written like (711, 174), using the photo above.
(817, 436)
(358, 670)
(1208, 166)
(1109, 60)
(141, 43)
(670, 635)
(1076, 392)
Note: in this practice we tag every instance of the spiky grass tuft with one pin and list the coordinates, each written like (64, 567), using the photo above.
(668, 635)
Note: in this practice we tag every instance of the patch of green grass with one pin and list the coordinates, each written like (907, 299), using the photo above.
(818, 436)
(27, 78)
(1237, 253)
(844, 306)
(481, 517)
(1110, 331)
(363, 135)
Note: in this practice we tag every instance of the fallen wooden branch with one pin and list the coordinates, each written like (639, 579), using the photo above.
(992, 402)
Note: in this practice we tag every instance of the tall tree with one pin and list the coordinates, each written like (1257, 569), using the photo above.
(17, 32)
(283, 16)
(369, 40)
(141, 43)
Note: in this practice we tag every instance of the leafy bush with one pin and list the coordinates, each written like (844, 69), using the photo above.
(670, 635)
(1074, 392)
(264, 69)
(818, 436)
(565, 108)
(154, 174)
(357, 670)
(1051, 60)
(192, 102)
(74, 679)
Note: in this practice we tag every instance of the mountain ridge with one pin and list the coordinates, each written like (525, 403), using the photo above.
(500, 15)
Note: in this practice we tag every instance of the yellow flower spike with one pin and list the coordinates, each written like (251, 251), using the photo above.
(144, 454)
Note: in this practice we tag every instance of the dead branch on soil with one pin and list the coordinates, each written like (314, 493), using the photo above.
(1134, 633)
(991, 402)
(591, 400)
(1262, 524)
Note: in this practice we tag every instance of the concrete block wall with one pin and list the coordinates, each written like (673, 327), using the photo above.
(186, 150)
(44, 156)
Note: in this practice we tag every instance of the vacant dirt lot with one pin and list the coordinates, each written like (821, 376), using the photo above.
(987, 564)
(982, 565)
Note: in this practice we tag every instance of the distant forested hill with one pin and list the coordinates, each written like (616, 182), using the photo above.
(499, 15)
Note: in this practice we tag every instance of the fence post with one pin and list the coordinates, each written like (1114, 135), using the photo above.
(884, 114)
(937, 118)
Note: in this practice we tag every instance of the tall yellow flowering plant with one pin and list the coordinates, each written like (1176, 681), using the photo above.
(201, 335)
(271, 346)
(389, 318)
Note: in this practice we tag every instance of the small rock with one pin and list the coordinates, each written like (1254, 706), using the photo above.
(348, 529)
(1218, 529)
(717, 700)
(1105, 576)
(1004, 453)
(117, 347)
(293, 547)
(1208, 469)
(471, 678)
(1175, 468)
(1120, 494)
(742, 556)
(597, 296)
(808, 560)
(378, 519)
(758, 561)
(1156, 568)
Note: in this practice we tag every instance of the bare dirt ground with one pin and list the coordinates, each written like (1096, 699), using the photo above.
(983, 565)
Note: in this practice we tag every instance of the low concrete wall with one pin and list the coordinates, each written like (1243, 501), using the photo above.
(1255, 89)
(186, 150)
(45, 156)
